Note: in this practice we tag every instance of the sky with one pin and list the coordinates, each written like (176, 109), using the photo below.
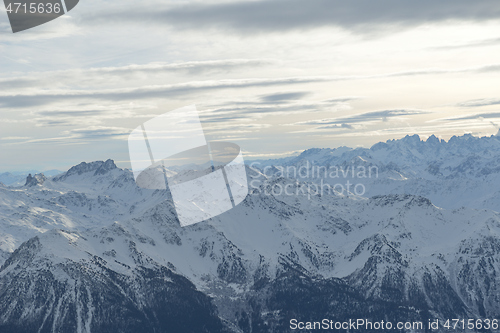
(275, 77)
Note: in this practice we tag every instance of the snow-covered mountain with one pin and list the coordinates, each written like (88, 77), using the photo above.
(19, 178)
(464, 171)
(89, 251)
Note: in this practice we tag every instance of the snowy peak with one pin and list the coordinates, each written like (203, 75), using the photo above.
(97, 168)
(456, 145)
(105, 167)
(411, 139)
(35, 180)
(433, 140)
(8, 178)
(321, 154)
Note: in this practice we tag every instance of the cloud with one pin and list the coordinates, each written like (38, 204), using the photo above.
(216, 119)
(17, 83)
(343, 99)
(90, 114)
(192, 67)
(479, 102)
(230, 129)
(491, 68)
(32, 98)
(79, 76)
(14, 138)
(97, 132)
(75, 113)
(344, 125)
(249, 111)
(284, 15)
(23, 100)
(283, 97)
(345, 122)
(480, 116)
(79, 136)
(477, 43)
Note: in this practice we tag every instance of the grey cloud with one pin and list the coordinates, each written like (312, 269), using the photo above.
(258, 110)
(66, 118)
(342, 99)
(72, 78)
(17, 83)
(52, 122)
(379, 116)
(437, 71)
(77, 113)
(88, 114)
(344, 125)
(80, 134)
(282, 15)
(364, 117)
(75, 76)
(211, 119)
(489, 68)
(41, 98)
(192, 67)
(489, 115)
(479, 102)
(478, 43)
(97, 132)
(230, 129)
(284, 97)
(249, 111)
(279, 103)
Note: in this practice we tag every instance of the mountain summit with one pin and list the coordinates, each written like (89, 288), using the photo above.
(37, 179)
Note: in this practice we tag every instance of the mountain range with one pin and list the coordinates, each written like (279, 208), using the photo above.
(19, 178)
(89, 251)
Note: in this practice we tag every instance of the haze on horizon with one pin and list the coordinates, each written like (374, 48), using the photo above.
(274, 76)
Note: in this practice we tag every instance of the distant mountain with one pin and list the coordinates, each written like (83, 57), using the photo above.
(19, 178)
(90, 251)
(8, 178)
(464, 171)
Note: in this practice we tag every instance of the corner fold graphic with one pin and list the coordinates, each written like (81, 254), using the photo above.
(70, 4)
(24, 15)
(204, 179)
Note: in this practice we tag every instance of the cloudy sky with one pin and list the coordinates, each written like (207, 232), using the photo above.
(274, 76)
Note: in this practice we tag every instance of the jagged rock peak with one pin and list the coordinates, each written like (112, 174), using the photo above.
(313, 151)
(37, 179)
(98, 167)
(415, 138)
(433, 139)
(105, 167)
